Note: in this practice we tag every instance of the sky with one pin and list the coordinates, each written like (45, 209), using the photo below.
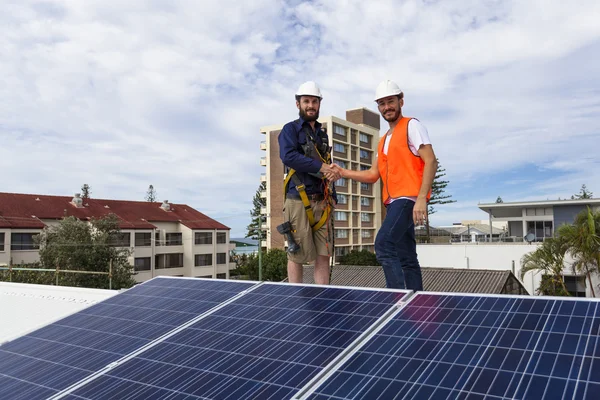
(121, 95)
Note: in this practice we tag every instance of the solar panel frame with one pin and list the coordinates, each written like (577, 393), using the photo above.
(72, 391)
(97, 357)
(309, 391)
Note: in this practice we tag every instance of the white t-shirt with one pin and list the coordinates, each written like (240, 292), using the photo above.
(417, 136)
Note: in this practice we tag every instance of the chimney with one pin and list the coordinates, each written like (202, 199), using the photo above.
(77, 201)
(165, 205)
(363, 116)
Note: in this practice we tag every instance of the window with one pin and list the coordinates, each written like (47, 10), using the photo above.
(340, 163)
(364, 167)
(340, 182)
(363, 137)
(365, 201)
(221, 237)
(143, 239)
(201, 260)
(365, 234)
(157, 239)
(575, 285)
(221, 258)
(339, 130)
(142, 264)
(2, 241)
(364, 154)
(342, 199)
(365, 217)
(340, 148)
(120, 240)
(341, 251)
(341, 216)
(174, 260)
(174, 239)
(341, 233)
(203, 238)
(365, 186)
(541, 229)
(222, 276)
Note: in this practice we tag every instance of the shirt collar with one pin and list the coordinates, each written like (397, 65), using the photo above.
(301, 122)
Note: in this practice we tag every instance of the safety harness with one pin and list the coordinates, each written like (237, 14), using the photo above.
(311, 149)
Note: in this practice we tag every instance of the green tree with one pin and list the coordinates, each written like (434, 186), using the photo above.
(438, 190)
(81, 246)
(358, 257)
(254, 229)
(274, 266)
(583, 241)
(86, 191)
(583, 194)
(438, 194)
(151, 194)
(548, 258)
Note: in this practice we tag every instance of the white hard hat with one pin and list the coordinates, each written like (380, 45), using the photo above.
(309, 89)
(387, 88)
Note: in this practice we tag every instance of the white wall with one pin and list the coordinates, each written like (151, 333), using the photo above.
(489, 256)
(479, 256)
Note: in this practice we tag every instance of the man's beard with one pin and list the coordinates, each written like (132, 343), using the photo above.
(394, 117)
(309, 118)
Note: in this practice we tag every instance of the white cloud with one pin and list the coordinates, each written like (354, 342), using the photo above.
(123, 94)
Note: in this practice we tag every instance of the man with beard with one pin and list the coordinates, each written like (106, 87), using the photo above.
(309, 194)
(406, 165)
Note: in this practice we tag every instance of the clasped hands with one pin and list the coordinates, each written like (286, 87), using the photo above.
(332, 172)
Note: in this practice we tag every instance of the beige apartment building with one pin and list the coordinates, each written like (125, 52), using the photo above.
(358, 214)
(164, 239)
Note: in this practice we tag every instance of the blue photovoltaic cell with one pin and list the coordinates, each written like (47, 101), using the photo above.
(266, 344)
(474, 347)
(52, 358)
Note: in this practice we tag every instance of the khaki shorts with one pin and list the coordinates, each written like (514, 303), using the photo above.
(311, 243)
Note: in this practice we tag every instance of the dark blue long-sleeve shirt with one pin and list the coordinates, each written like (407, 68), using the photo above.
(291, 138)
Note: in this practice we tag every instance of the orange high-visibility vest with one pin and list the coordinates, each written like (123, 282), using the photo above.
(400, 170)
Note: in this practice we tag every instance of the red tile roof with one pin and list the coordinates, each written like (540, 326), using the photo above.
(26, 211)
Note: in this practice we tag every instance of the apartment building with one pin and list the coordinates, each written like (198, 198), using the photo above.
(358, 214)
(165, 239)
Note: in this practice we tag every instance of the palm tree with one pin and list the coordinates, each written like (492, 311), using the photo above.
(584, 243)
(549, 258)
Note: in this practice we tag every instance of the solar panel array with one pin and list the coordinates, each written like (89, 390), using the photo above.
(442, 346)
(208, 339)
(52, 358)
(266, 344)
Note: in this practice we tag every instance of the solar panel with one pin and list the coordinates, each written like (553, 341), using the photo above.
(444, 346)
(266, 344)
(52, 358)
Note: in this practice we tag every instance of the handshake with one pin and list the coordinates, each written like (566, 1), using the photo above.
(332, 172)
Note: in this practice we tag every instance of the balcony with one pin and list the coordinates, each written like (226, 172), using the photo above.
(264, 226)
(263, 145)
(263, 177)
(263, 194)
(263, 161)
(263, 210)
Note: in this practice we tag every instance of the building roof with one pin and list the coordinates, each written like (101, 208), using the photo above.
(481, 228)
(521, 204)
(456, 280)
(26, 307)
(27, 211)
(244, 241)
